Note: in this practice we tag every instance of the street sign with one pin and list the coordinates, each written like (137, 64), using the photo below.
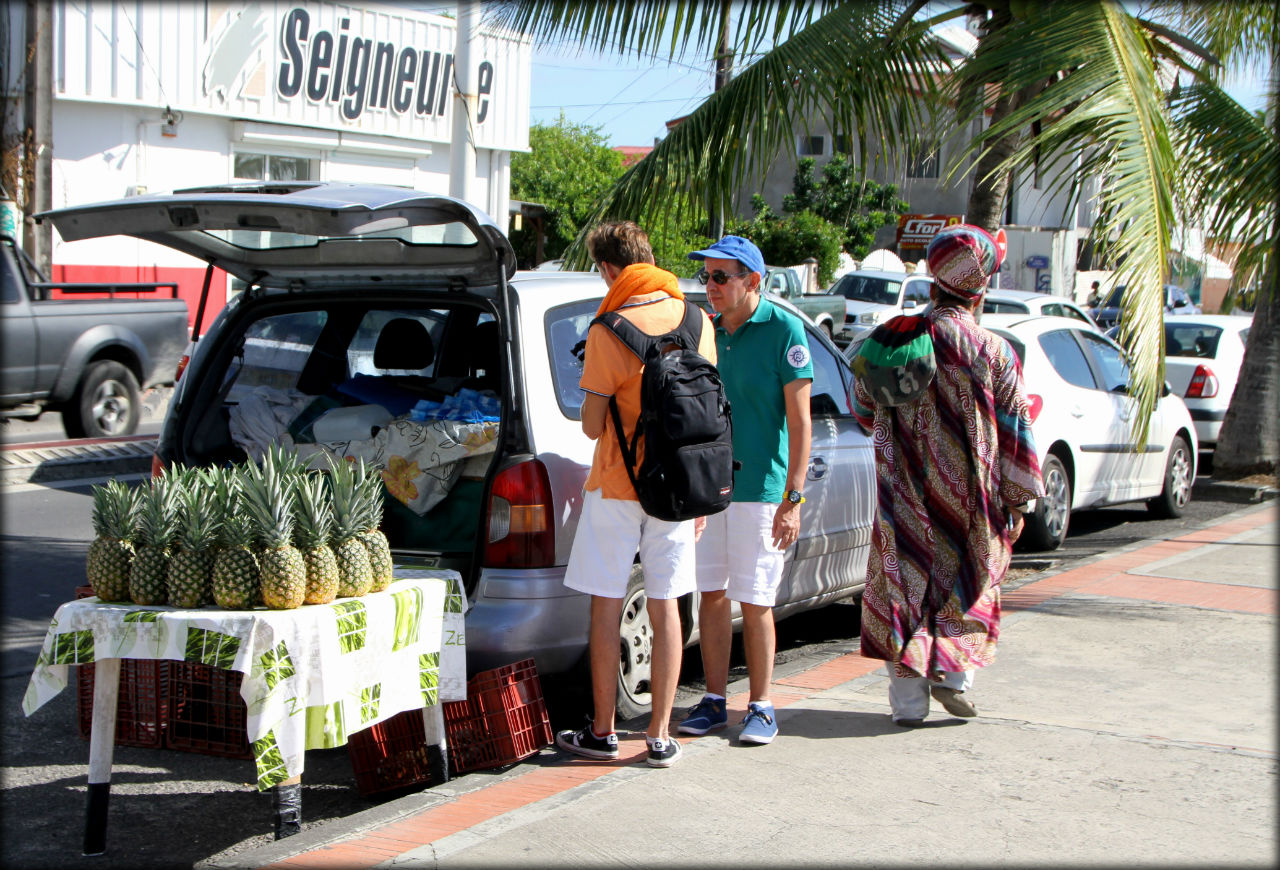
(917, 230)
(1037, 262)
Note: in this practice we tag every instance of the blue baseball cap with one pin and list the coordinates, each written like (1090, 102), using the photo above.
(734, 248)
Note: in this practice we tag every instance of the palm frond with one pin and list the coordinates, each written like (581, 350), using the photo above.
(863, 81)
(1092, 70)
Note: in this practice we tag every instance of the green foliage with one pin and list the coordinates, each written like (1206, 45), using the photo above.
(568, 168)
(790, 240)
(859, 207)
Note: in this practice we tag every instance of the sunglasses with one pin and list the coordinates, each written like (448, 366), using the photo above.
(718, 276)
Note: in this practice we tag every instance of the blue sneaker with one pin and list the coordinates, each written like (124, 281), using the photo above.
(759, 726)
(707, 715)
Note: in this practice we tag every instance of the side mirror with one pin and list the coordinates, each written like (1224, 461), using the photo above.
(1166, 390)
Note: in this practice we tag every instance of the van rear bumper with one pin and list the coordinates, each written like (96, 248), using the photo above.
(519, 614)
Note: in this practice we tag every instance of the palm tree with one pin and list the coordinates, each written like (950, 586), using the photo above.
(1090, 79)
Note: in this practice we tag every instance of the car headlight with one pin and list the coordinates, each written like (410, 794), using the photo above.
(869, 317)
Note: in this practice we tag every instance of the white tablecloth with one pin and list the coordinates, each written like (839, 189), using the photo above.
(312, 676)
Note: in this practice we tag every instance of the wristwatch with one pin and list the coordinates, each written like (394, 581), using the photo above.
(795, 496)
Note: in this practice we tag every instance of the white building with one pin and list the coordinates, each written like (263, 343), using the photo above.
(153, 97)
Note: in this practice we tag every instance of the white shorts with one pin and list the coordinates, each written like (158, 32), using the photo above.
(610, 532)
(736, 554)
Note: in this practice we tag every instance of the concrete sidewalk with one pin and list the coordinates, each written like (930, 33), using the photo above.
(1128, 720)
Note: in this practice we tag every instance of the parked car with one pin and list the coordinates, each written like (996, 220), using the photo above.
(872, 297)
(86, 358)
(1077, 383)
(1002, 307)
(825, 310)
(1176, 302)
(1202, 361)
(338, 268)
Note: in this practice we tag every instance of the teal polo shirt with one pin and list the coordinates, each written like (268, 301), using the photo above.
(767, 352)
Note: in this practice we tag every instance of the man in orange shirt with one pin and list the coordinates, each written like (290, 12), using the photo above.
(613, 527)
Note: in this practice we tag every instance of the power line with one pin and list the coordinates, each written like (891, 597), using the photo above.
(602, 105)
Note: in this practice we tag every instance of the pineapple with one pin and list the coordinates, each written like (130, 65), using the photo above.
(313, 518)
(370, 535)
(111, 553)
(191, 562)
(355, 575)
(269, 502)
(157, 508)
(235, 568)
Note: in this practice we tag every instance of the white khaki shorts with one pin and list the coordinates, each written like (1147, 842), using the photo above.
(610, 532)
(736, 554)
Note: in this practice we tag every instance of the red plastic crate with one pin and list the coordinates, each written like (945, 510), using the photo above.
(141, 713)
(390, 755)
(503, 720)
(206, 713)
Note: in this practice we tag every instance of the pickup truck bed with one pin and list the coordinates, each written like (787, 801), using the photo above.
(87, 358)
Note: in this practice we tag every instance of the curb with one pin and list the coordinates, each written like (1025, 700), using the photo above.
(72, 460)
(1225, 490)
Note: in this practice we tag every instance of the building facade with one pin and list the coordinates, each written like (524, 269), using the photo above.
(156, 97)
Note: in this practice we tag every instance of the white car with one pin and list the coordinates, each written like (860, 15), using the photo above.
(1203, 353)
(1083, 423)
(1003, 307)
(872, 297)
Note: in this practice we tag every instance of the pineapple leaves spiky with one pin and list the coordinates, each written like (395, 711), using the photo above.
(234, 581)
(370, 512)
(191, 562)
(268, 499)
(157, 509)
(314, 519)
(355, 574)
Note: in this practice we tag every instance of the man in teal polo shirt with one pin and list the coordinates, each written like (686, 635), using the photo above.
(765, 366)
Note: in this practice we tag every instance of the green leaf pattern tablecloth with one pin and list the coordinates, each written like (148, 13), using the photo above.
(312, 676)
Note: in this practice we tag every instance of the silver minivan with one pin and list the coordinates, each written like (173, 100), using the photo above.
(362, 297)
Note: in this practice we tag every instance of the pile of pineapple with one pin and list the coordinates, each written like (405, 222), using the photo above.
(278, 535)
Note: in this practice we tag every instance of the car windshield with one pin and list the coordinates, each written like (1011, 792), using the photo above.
(862, 288)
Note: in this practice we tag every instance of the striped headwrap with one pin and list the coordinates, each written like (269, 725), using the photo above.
(962, 258)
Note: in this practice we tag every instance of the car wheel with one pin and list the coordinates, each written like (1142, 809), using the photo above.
(636, 651)
(826, 327)
(1173, 500)
(1046, 526)
(105, 403)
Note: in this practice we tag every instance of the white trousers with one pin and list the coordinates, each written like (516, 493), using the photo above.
(909, 696)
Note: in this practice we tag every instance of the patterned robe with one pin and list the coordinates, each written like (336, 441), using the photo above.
(947, 466)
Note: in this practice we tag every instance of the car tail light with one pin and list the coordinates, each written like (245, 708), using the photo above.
(157, 465)
(520, 518)
(1035, 404)
(1204, 384)
(182, 367)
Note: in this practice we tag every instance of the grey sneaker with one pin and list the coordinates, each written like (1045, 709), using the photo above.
(583, 742)
(663, 752)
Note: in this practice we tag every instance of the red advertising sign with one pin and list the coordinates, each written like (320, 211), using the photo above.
(917, 230)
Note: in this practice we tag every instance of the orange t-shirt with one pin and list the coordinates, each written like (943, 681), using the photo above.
(611, 369)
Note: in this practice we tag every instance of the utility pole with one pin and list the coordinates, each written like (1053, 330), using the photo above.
(466, 101)
(37, 180)
(724, 71)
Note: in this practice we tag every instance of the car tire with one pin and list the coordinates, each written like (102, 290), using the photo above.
(1175, 496)
(635, 651)
(1046, 527)
(105, 403)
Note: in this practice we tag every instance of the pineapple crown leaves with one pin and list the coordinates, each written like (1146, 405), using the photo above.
(268, 500)
(114, 508)
(157, 510)
(344, 484)
(313, 512)
(198, 515)
(371, 500)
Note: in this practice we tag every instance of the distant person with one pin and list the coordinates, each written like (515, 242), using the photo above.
(767, 372)
(955, 469)
(1095, 295)
(613, 527)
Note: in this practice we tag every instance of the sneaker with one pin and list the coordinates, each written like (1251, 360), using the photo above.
(663, 752)
(759, 726)
(583, 742)
(707, 715)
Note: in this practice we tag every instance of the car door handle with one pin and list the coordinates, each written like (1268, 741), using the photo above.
(1077, 411)
(817, 468)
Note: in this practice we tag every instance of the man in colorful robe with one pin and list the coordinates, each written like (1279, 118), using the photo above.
(955, 469)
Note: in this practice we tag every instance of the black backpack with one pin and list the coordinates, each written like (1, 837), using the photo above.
(684, 417)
